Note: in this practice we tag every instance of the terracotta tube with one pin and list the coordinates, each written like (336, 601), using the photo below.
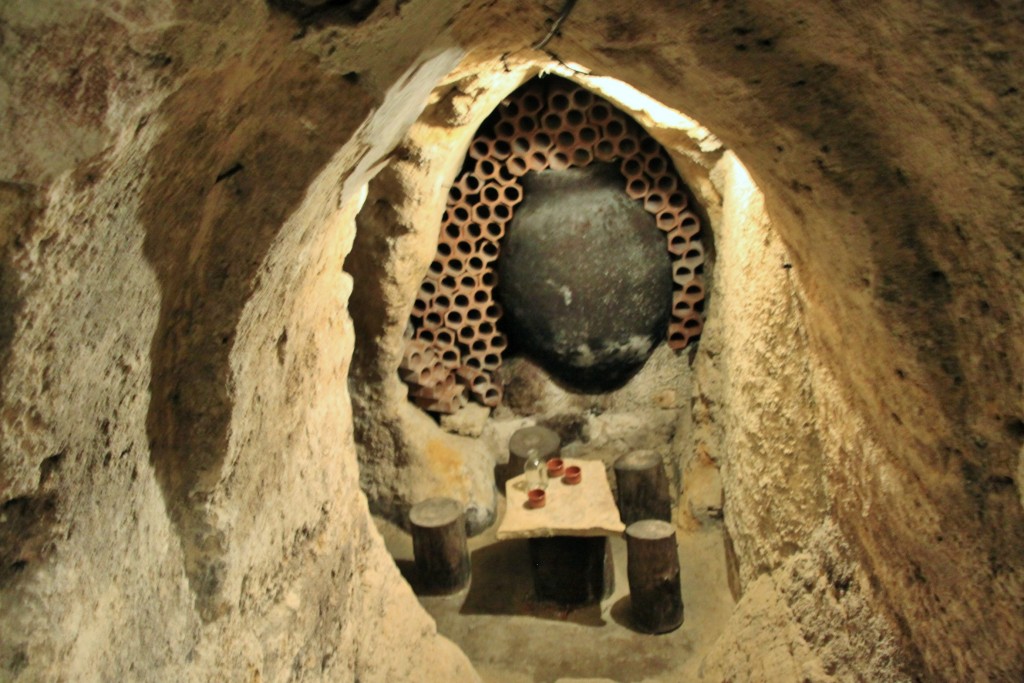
(481, 148)
(518, 164)
(655, 165)
(537, 161)
(447, 285)
(474, 264)
(493, 231)
(682, 273)
(582, 98)
(436, 268)
(463, 249)
(676, 242)
(494, 312)
(492, 361)
(667, 220)
(499, 342)
(559, 101)
(654, 201)
(559, 161)
(521, 145)
(588, 135)
(648, 146)
(512, 194)
(459, 213)
(677, 337)
(693, 292)
(454, 267)
(454, 193)
(625, 146)
(451, 231)
(474, 313)
(500, 149)
(505, 176)
(446, 289)
(489, 279)
(681, 306)
(425, 335)
(451, 358)
(677, 200)
(492, 397)
(505, 129)
(461, 302)
(419, 307)
(565, 141)
(599, 113)
(481, 213)
(694, 254)
(487, 251)
(465, 375)
(509, 110)
(574, 118)
(469, 183)
(552, 122)
(604, 150)
(632, 167)
(541, 142)
(444, 337)
(615, 127)
(467, 333)
(453, 319)
(666, 183)
(482, 295)
(689, 223)
(637, 187)
(530, 103)
(581, 156)
(490, 193)
(472, 231)
(486, 169)
(502, 213)
(527, 124)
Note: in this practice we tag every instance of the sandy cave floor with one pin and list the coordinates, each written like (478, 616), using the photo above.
(512, 638)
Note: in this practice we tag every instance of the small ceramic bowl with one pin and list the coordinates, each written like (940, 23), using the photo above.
(573, 475)
(537, 498)
(556, 466)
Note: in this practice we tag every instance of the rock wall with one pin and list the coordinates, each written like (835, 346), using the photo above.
(180, 491)
(179, 488)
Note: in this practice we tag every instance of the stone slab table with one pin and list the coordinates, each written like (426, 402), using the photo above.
(568, 536)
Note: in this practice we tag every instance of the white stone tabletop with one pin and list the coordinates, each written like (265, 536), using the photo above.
(584, 509)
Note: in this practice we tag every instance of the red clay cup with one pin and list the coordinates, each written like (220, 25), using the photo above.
(556, 466)
(536, 498)
(573, 475)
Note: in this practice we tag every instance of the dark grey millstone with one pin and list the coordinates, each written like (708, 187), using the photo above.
(584, 277)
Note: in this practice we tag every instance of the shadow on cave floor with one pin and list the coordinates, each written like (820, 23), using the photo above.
(511, 637)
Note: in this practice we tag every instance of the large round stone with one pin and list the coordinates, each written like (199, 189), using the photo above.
(585, 278)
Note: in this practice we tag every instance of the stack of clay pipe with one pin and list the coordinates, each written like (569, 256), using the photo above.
(456, 345)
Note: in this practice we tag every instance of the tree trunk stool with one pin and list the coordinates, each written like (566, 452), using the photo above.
(541, 439)
(572, 570)
(643, 487)
(652, 565)
(439, 546)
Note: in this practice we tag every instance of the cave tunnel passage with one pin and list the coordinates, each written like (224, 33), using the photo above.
(568, 249)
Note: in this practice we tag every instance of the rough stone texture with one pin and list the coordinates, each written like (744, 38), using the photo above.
(178, 482)
(584, 277)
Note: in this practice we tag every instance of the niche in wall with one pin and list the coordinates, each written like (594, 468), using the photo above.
(554, 144)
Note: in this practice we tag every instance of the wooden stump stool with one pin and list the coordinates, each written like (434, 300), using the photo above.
(439, 545)
(652, 565)
(643, 487)
(541, 439)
